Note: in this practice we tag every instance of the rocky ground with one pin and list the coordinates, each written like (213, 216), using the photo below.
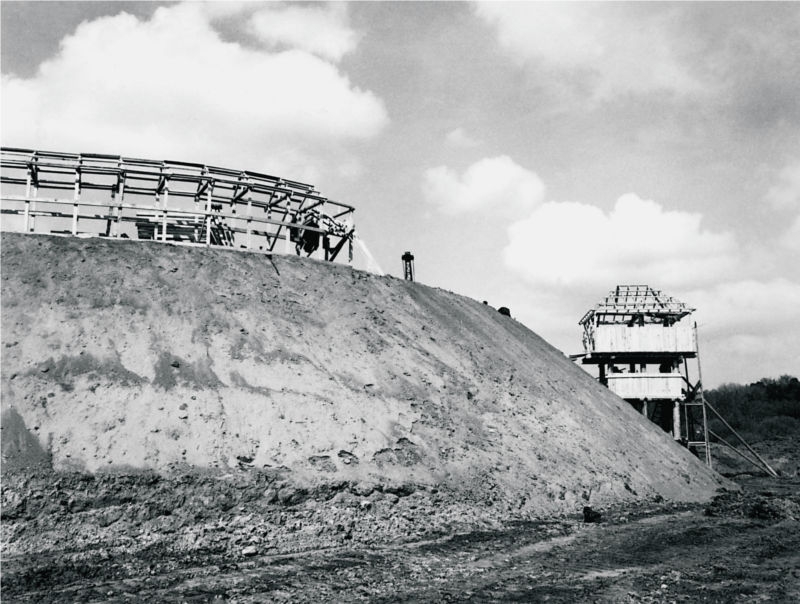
(252, 537)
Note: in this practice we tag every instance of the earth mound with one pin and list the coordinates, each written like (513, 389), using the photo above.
(121, 356)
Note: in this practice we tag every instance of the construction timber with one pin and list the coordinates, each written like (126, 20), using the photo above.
(642, 342)
(88, 194)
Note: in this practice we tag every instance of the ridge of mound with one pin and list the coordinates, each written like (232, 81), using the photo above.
(121, 355)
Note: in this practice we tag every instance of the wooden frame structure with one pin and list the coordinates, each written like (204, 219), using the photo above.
(641, 342)
(88, 194)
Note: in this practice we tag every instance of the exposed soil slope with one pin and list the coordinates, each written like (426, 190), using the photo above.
(127, 355)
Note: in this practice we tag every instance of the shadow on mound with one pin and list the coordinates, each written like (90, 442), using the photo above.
(21, 449)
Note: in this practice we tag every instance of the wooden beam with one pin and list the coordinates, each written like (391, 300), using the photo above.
(742, 440)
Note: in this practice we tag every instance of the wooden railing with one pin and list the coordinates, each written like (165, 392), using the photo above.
(120, 197)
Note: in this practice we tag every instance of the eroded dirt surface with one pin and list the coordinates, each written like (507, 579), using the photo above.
(121, 354)
(742, 547)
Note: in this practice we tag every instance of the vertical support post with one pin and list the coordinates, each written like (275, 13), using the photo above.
(28, 197)
(110, 218)
(33, 207)
(270, 240)
(164, 218)
(249, 217)
(195, 234)
(163, 186)
(676, 420)
(209, 188)
(408, 266)
(644, 408)
(702, 396)
(75, 198)
(287, 241)
(687, 421)
(121, 187)
(602, 377)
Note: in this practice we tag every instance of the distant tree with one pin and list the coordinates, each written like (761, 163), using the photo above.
(768, 407)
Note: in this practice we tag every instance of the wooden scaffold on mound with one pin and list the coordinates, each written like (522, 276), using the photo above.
(88, 194)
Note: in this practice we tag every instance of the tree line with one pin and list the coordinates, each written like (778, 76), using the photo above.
(766, 408)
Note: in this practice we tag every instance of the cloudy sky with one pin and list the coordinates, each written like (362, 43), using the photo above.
(531, 155)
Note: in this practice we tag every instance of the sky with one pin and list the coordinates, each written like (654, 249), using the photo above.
(533, 155)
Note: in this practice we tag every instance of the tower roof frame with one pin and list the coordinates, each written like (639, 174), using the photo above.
(628, 303)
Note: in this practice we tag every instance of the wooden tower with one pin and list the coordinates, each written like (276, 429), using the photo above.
(642, 343)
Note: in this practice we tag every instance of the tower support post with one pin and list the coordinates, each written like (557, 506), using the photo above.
(408, 266)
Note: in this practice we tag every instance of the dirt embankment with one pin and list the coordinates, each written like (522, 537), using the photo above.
(122, 355)
(170, 414)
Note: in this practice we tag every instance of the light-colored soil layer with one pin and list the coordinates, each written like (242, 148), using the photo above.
(121, 355)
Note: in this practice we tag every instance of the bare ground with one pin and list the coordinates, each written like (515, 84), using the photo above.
(190, 425)
(384, 547)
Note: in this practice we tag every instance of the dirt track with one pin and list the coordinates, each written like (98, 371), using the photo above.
(741, 548)
(73, 537)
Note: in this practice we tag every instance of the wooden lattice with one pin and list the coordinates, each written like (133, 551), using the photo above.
(88, 194)
(628, 303)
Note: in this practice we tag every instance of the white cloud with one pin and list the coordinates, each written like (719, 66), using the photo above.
(170, 87)
(748, 329)
(617, 49)
(757, 308)
(321, 30)
(573, 244)
(786, 193)
(495, 182)
(460, 138)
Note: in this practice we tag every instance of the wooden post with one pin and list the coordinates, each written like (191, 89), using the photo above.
(198, 192)
(121, 187)
(676, 420)
(33, 207)
(110, 217)
(27, 197)
(702, 395)
(208, 213)
(76, 198)
(249, 217)
(287, 242)
(164, 219)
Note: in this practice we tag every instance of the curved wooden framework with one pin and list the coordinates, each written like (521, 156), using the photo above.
(87, 194)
